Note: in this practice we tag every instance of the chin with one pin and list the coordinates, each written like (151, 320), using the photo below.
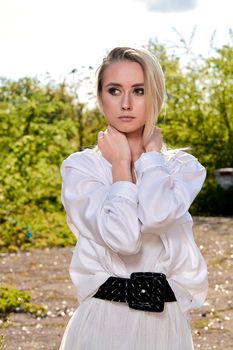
(127, 129)
(136, 132)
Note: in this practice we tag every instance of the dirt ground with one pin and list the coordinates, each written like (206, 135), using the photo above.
(45, 274)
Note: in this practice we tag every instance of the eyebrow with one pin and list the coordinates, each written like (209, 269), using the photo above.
(117, 84)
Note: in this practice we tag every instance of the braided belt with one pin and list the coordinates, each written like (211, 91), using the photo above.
(147, 291)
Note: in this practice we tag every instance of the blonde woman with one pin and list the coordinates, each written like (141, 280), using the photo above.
(136, 267)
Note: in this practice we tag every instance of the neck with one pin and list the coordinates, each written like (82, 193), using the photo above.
(136, 145)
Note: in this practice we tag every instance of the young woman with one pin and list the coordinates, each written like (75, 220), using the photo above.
(136, 267)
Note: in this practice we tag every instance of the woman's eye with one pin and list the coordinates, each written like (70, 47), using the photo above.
(113, 91)
(139, 91)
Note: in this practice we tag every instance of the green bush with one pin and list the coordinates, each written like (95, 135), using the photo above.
(41, 124)
(14, 300)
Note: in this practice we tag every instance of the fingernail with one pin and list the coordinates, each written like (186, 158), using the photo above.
(100, 134)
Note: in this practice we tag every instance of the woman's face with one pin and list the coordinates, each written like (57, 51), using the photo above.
(123, 98)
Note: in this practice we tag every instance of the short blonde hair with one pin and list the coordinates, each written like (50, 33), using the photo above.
(153, 79)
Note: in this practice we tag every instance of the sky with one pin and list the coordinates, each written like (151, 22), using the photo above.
(56, 36)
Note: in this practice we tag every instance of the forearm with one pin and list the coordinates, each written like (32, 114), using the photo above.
(121, 171)
(167, 190)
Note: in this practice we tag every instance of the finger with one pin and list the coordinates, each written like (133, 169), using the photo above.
(100, 135)
(106, 132)
(158, 131)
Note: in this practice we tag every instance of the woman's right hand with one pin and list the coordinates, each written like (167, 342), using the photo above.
(114, 146)
(155, 141)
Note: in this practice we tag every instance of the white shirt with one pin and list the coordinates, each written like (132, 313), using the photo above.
(124, 227)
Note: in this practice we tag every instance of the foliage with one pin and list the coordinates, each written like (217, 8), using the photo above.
(198, 115)
(94, 122)
(42, 123)
(14, 300)
(38, 130)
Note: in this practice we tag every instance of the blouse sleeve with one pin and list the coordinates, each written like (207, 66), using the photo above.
(166, 189)
(99, 210)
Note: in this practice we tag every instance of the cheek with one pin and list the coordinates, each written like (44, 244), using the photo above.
(142, 107)
(108, 104)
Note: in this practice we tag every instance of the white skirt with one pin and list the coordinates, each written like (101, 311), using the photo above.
(105, 325)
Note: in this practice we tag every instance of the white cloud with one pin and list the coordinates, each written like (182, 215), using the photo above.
(170, 5)
(56, 36)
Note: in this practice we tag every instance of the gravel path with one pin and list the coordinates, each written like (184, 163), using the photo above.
(45, 274)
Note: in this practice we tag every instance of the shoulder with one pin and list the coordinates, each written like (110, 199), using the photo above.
(179, 155)
(178, 158)
(87, 162)
(78, 159)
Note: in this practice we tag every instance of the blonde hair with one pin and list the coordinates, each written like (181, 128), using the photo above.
(153, 79)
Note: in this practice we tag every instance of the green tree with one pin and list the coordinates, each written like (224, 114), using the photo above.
(41, 124)
(38, 130)
(198, 115)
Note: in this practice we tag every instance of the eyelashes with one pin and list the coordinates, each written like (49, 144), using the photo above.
(114, 91)
(138, 91)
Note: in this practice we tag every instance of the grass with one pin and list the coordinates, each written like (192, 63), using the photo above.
(47, 229)
(200, 324)
(14, 300)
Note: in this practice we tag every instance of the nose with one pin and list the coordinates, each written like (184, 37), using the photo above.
(126, 102)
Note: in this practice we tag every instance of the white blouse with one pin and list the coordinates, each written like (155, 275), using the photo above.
(124, 227)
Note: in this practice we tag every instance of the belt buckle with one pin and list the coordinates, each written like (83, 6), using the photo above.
(146, 291)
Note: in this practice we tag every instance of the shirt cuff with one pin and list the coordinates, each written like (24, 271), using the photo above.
(125, 189)
(149, 160)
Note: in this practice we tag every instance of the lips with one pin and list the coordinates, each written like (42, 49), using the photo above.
(126, 118)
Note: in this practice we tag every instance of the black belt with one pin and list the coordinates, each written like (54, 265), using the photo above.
(146, 291)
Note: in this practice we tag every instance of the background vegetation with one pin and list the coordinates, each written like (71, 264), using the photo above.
(14, 300)
(42, 123)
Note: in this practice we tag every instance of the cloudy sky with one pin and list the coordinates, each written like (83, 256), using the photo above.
(55, 36)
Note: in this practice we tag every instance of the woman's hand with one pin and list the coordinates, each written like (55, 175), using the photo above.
(115, 148)
(155, 141)
(114, 145)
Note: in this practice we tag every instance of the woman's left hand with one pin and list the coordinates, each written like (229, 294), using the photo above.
(155, 141)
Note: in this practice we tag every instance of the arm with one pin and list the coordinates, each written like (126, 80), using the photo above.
(121, 171)
(98, 210)
(166, 191)
(115, 149)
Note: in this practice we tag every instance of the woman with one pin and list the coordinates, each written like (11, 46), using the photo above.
(136, 267)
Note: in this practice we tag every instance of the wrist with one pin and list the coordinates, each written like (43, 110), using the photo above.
(121, 170)
(121, 161)
(152, 149)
